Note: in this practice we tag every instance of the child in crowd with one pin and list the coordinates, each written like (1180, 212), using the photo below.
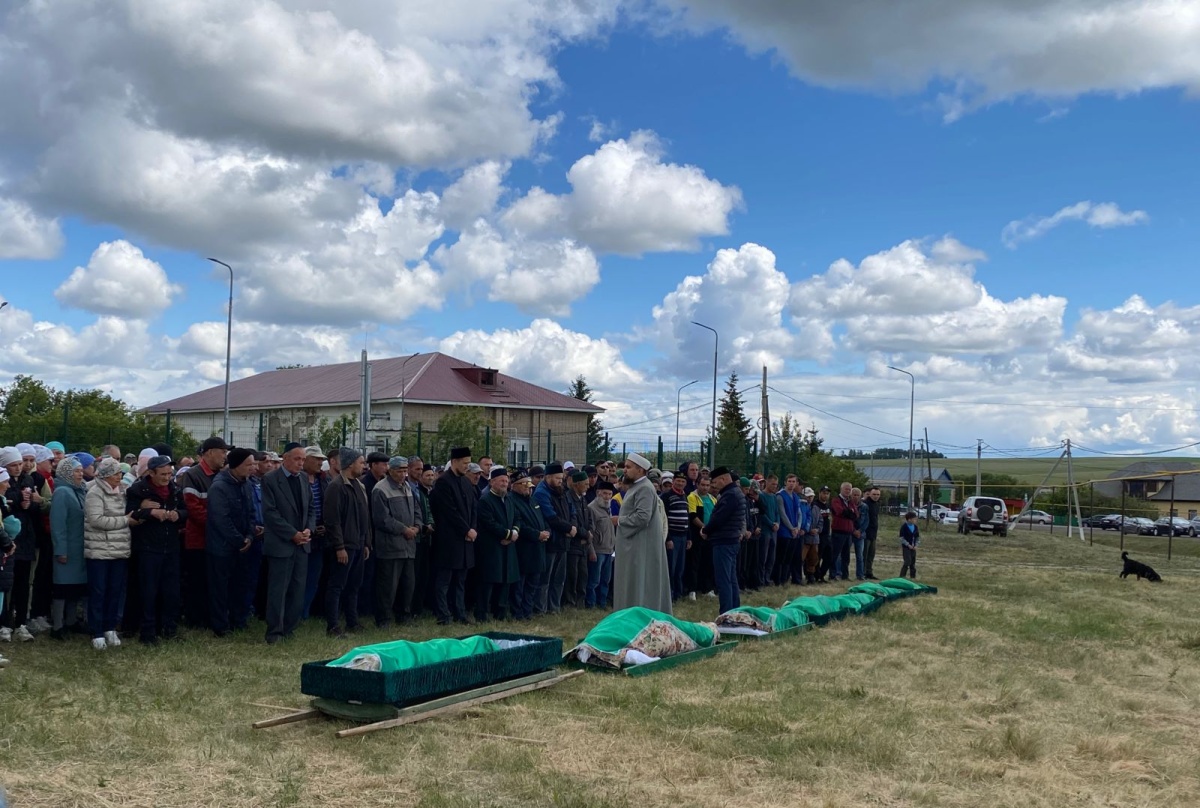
(910, 537)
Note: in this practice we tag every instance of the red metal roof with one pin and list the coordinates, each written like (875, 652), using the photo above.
(430, 377)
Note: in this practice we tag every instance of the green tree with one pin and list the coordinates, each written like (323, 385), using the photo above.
(597, 446)
(795, 450)
(329, 434)
(813, 441)
(735, 432)
(33, 411)
(462, 426)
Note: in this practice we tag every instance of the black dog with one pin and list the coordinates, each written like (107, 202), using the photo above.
(1139, 569)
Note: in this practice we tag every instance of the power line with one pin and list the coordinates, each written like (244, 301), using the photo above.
(1138, 454)
(838, 417)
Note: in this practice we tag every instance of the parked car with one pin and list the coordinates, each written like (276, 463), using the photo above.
(983, 513)
(1096, 520)
(948, 518)
(1111, 522)
(1034, 517)
(1182, 527)
(1139, 525)
(936, 511)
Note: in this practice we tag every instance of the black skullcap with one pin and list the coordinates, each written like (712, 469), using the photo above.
(460, 452)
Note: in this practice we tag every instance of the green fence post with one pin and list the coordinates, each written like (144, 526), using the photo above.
(262, 438)
(660, 452)
(487, 440)
(606, 445)
(167, 432)
(624, 453)
(549, 447)
(418, 438)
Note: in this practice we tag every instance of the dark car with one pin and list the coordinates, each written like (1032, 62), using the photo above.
(1097, 520)
(1139, 525)
(1182, 527)
(1111, 522)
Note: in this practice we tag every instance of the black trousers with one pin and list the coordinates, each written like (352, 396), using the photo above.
(22, 575)
(287, 577)
(910, 561)
(223, 592)
(869, 552)
(43, 578)
(158, 579)
(424, 574)
(785, 548)
(341, 588)
(748, 566)
(194, 585)
(575, 591)
(450, 595)
(491, 597)
(395, 580)
(825, 554)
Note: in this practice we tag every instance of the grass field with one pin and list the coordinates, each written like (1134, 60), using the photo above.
(1029, 471)
(1034, 678)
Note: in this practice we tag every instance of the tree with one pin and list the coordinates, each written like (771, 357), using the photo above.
(597, 446)
(32, 411)
(462, 426)
(795, 450)
(328, 434)
(813, 442)
(735, 432)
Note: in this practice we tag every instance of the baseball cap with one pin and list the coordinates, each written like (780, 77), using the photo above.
(213, 443)
(158, 462)
(474, 468)
(314, 451)
(808, 492)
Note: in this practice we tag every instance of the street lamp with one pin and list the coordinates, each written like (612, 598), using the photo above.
(225, 433)
(712, 439)
(678, 393)
(912, 400)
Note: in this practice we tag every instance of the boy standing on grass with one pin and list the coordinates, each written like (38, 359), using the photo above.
(910, 537)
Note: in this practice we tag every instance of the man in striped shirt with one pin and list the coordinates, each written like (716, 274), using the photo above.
(675, 502)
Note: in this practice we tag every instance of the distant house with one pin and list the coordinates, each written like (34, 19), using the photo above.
(1141, 480)
(279, 406)
(1182, 491)
(895, 479)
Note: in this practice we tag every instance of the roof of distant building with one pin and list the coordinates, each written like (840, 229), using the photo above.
(420, 378)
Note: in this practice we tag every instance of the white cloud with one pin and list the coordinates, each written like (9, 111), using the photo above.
(25, 234)
(743, 296)
(121, 281)
(983, 50)
(1104, 215)
(914, 298)
(545, 353)
(474, 194)
(626, 200)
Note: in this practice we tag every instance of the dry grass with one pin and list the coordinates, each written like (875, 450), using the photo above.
(1052, 684)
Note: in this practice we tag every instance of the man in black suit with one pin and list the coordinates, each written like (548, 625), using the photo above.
(453, 502)
(290, 521)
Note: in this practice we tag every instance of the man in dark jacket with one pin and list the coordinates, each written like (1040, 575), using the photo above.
(228, 532)
(454, 503)
(579, 551)
(397, 518)
(724, 531)
(495, 549)
(348, 534)
(844, 526)
(194, 485)
(532, 536)
(289, 521)
(872, 532)
(157, 544)
(556, 510)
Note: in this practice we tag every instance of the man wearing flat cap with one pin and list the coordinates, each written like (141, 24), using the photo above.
(228, 533)
(398, 521)
(289, 522)
(641, 577)
(496, 550)
(454, 504)
(551, 495)
(348, 532)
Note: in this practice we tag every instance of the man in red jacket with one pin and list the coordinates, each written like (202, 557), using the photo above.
(845, 525)
(193, 489)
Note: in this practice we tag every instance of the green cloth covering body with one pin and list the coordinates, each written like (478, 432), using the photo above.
(855, 602)
(777, 619)
(816, 606)
(404, 655)
(905, 584)
(620, 628)
(877, 590)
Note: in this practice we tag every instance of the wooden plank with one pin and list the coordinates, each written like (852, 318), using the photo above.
(427, 713)
(455, 698)
(290, 718)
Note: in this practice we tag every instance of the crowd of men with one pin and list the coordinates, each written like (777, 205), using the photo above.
(148, 543)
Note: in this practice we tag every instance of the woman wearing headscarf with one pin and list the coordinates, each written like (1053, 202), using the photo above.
(106, 543)
(66, 532)
(131, 614)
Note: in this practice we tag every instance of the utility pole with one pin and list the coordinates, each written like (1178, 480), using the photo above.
(979, 467)
(929, 463)
(764, 424)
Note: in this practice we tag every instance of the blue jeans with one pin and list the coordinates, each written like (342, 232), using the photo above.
(106, 592)
(859, 543)
(597, 582)
(725, 558)
(676, 558)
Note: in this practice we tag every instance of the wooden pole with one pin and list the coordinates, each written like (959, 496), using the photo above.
(425, 713)
(290, 718)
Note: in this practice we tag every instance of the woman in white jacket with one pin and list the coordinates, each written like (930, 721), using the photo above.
(106, 543)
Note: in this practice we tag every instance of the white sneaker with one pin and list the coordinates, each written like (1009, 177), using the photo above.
(112, 639)
(22, 634)
(99, 644)
(3, 662)
(5, 635)
(710, 594)
(39, 624)
(691, 595)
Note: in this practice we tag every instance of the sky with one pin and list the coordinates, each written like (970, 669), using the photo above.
(996, 196)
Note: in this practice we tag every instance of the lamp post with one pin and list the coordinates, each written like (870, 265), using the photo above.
(712, 439)
(225, 433)
(678, 393)
(912, 400)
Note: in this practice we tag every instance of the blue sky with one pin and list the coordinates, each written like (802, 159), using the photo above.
(720, 125)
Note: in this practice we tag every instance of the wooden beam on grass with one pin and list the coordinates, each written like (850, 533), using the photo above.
(290, 718)
(424, 712)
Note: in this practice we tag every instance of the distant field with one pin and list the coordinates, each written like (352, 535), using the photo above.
(1026, 470)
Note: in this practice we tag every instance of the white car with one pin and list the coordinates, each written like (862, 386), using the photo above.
(948, 517)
